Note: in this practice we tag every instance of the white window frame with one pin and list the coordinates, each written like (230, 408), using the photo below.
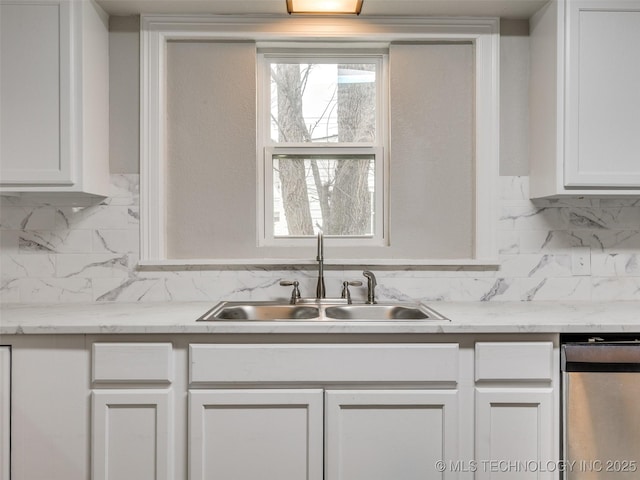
(267, 148)
(157, 30)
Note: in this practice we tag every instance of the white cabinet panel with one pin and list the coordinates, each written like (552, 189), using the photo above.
(50, 408)
(328, 363)
(528, 361)
(132, 435)
(584, 98)
(387, 434)
(34, 45)
(5, 411)
(251, 434)
(132, 362)
(514, 433)
(603, 144)
(54, 112)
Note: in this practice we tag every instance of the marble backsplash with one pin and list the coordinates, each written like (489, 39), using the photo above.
(573, 249)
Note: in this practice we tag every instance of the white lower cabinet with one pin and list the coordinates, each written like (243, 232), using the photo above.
(131, 434)
(514, 432)
(5, 410)
(49, 407)
(390, 434)
(249, 434)
(132, 412)
(516, 411)
(279, 434)
(119, 407)
(373, 412)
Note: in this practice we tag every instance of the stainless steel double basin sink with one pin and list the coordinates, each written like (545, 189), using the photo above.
(314, 311)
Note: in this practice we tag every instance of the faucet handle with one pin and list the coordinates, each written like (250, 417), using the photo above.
(345, 288)
(295, 294)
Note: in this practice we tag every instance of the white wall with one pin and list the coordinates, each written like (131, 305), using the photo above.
(211, 154)
(124, 94)
(514, 98)
(124, 53)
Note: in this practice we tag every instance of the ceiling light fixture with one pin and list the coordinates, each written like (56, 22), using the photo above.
(324, 6)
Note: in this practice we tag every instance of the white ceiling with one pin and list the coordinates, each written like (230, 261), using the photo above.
(491, 8)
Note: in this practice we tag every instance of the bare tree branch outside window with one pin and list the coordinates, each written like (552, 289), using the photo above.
(321, 104)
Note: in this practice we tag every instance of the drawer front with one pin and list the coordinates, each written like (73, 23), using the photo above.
(530, 361)
(323, 363)
(132, 362)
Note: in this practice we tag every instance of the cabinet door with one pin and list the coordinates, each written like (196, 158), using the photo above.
(132, 435)
(514, 433)
(397, 434)
(603, 97)
(35, 53)
(5, 410)
(255, 434)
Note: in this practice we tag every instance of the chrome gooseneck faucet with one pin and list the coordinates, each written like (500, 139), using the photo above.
(320, 290)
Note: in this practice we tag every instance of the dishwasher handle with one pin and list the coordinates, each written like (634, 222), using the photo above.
(601, 357)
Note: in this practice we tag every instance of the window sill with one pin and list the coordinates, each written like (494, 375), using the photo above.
(195, 264)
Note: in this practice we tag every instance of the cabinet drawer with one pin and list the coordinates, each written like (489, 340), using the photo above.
(132, 362)
(323, 363)
(514, 361)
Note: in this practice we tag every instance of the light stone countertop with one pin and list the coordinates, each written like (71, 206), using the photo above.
(180, 318)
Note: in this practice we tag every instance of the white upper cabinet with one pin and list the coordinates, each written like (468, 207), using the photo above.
(585, 72)
(54, 124)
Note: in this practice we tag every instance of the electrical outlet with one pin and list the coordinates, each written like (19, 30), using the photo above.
(581, 261)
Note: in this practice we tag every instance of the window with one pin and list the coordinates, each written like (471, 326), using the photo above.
(208, 138)
(321, 146)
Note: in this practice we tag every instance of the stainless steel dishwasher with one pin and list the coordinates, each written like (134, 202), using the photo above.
(601, 409)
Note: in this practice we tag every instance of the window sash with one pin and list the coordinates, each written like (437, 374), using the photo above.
(265, 60)
(266, 197)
